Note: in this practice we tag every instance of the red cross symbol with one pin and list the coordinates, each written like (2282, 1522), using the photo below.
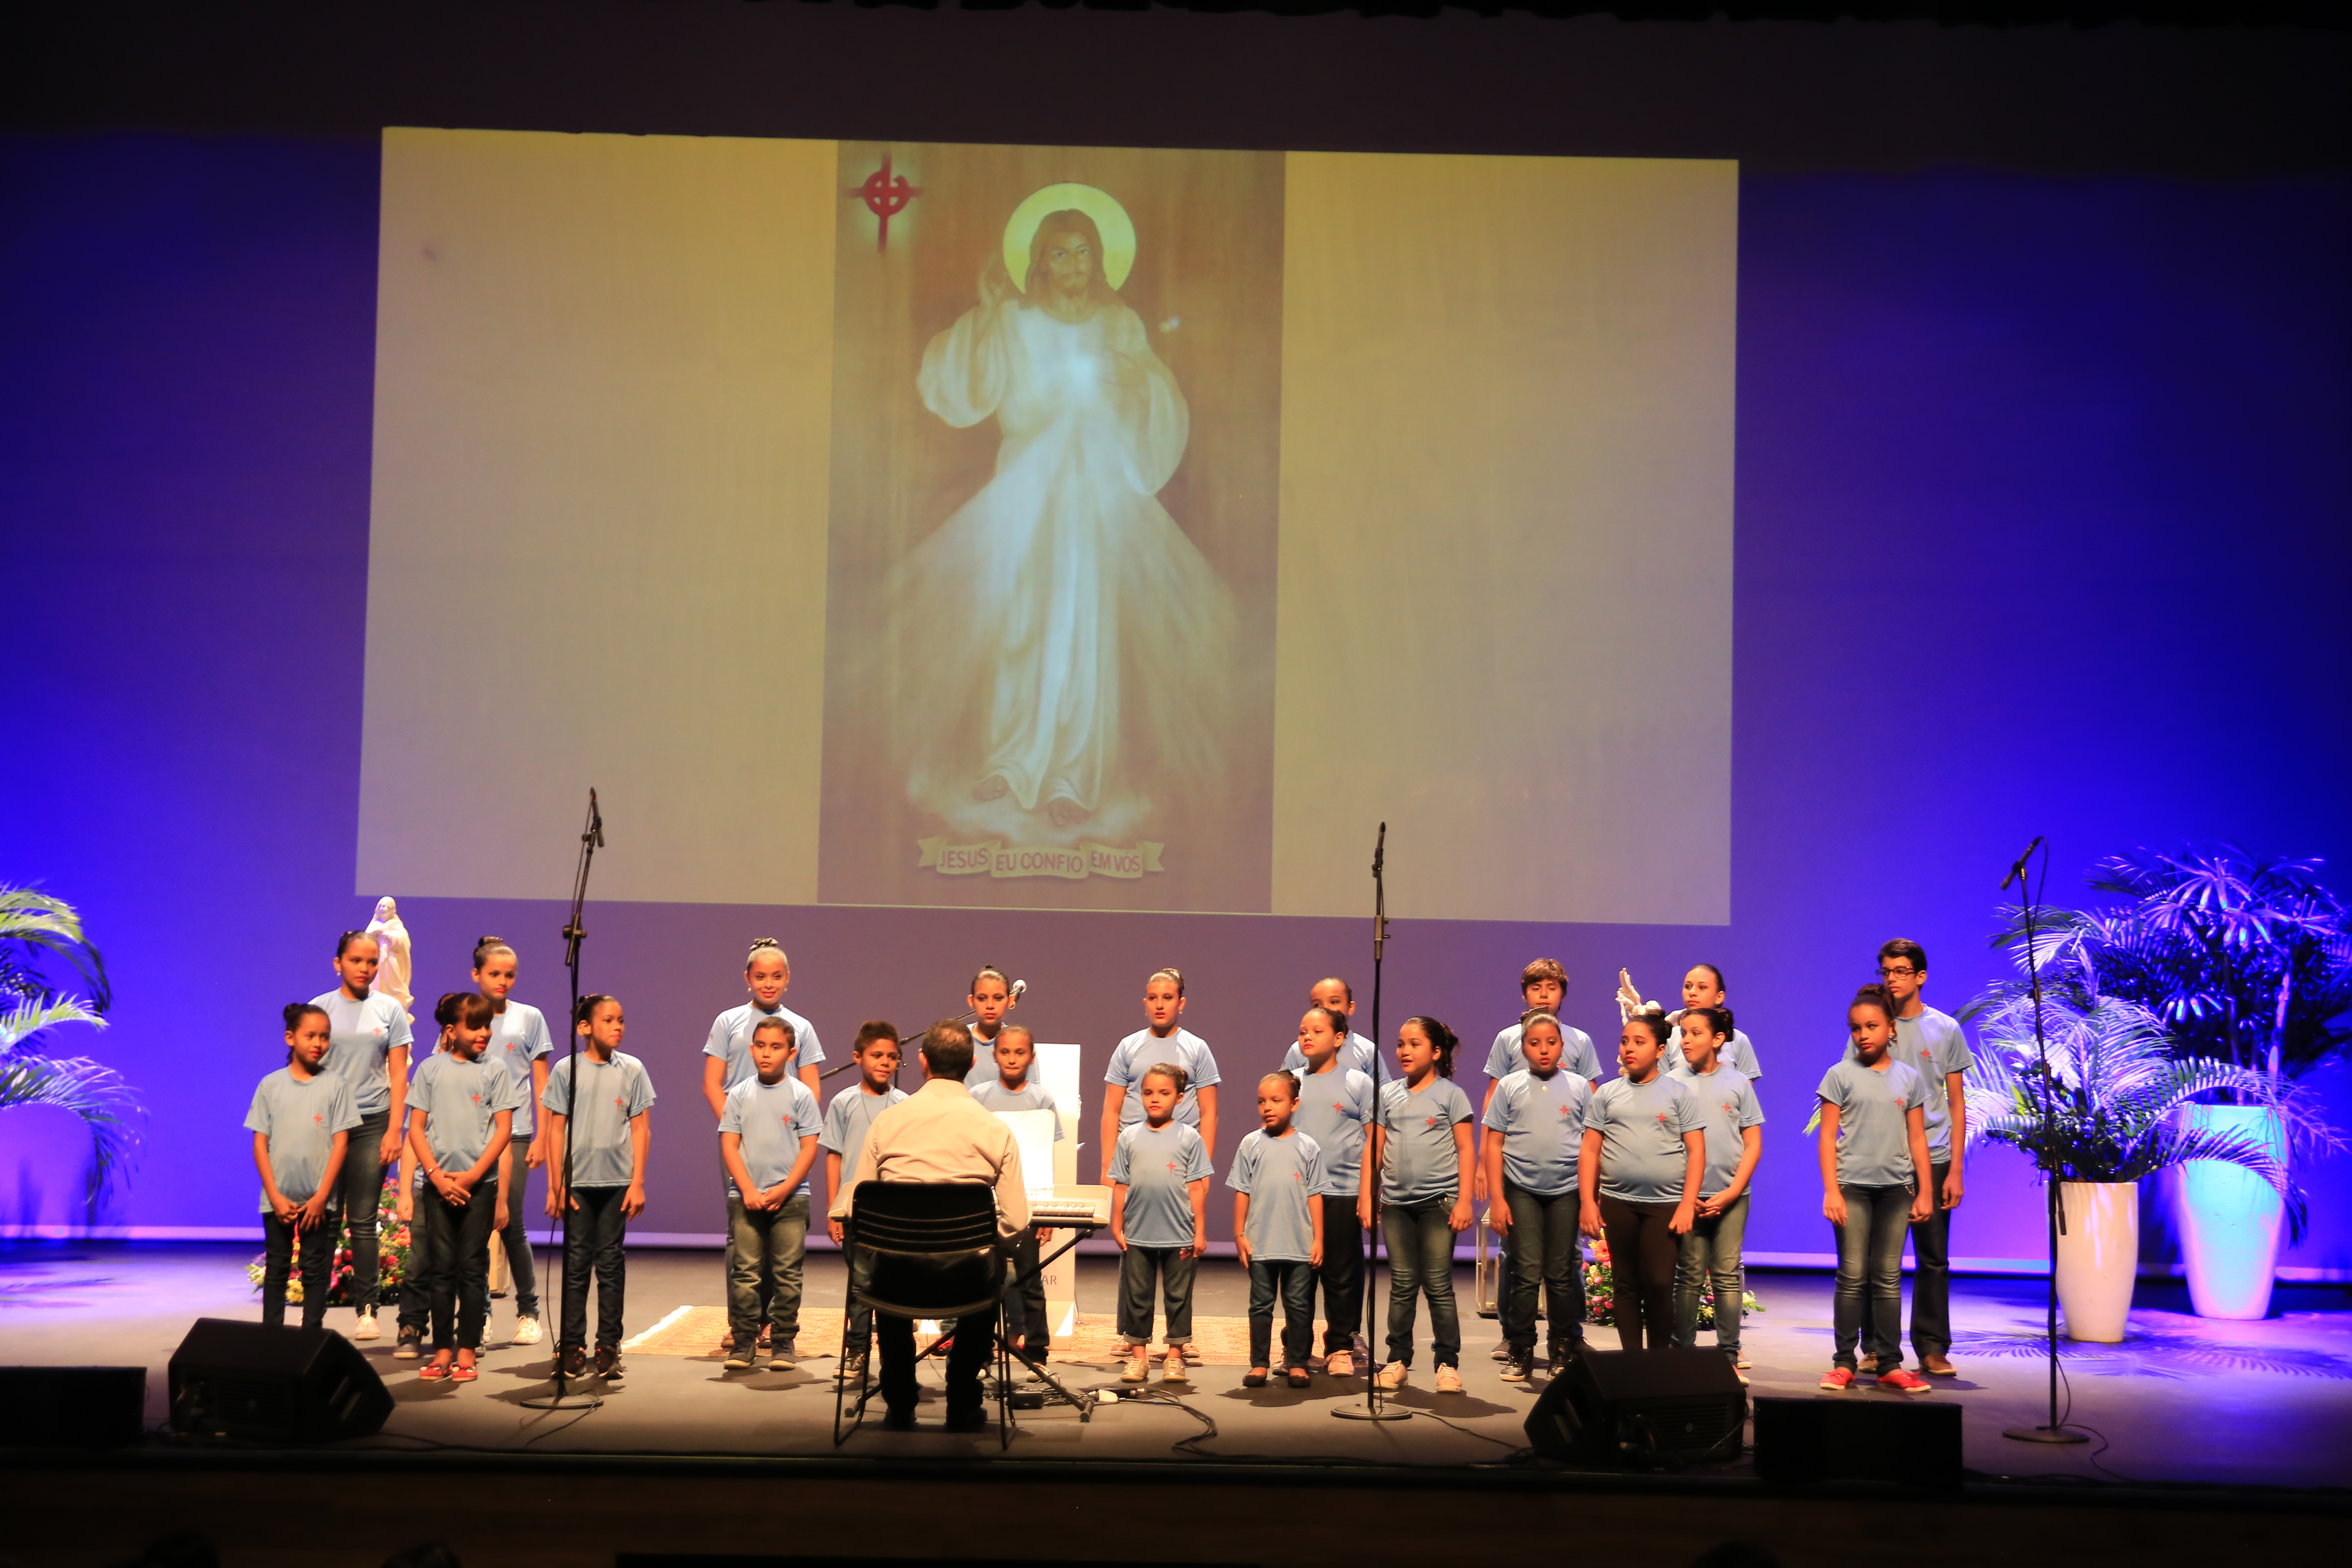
(886, 195)
(620, 1104)
(1171, 1164)
(1431, 1122)
(317, 1119)
(476, 1096)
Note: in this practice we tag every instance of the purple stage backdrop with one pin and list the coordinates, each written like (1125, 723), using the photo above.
(2031, 474)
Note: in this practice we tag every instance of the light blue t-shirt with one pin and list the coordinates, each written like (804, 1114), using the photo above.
(1726, 1108)
(1738, 1052)
(518, 1037)
(361, 1038)
(771, 1119)
(461, 1100)
(1643, 1157)
(1576, 1054)
(1029, 1097)
(1157, 1166)
(1143, 1050)
(1931, 1045)
(1335, 1109)
(300, 1118)
(1281, 1176)
(731, 1041)
(1357, 1054)
(611, 1095)
(1419, 1162)
(1874, 1146)
(847, 1119)
(1541, 1121)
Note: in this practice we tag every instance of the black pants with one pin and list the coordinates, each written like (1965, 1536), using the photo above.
(278, 1262)
(975, 1342)
(1025, 1298)
(416, 1294)
(458, 1284)
(1544, 1256)
(1293, 1279)
(362, 1186)
(593, 1234)
(1642, 1252)
(1342, 1276)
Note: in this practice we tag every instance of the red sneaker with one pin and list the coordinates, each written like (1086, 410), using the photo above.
(1902, 1381)
(1838, 1379)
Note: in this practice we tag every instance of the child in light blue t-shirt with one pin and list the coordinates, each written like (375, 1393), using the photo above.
(1028, 1331)
(460, 1119)
(1336, 1107)
(1534, 1134)
(1159, 1179)
(846, 1121)
(1638, 1174)
(1421, 1146)
(1734, 1129)
(605, 1146)
(301, 1119)
(1278, 1228)
(768, 1141)
(1873, 1155)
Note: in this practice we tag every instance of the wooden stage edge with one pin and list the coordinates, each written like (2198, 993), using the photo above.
(265, 1509)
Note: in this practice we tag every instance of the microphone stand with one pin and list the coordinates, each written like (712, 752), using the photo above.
(2050, 1431)
(591, 838)
(1375, 1408)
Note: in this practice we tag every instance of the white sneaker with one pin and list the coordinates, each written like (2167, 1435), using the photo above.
(526, 1331)
(1339, 1364)
(1392, 1376)
(365, 1328)
(1139, 1366)
(1172, 1369)
(1448, 1381)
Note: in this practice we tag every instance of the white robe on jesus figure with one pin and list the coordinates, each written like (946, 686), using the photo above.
(1062, 633)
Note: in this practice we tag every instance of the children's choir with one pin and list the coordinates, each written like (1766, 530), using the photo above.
(1659, 1160)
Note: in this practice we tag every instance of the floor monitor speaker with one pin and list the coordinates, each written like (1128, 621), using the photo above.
(247, 1380)
(1640, 1406)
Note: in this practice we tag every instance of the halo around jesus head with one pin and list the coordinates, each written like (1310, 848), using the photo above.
(1118, 229)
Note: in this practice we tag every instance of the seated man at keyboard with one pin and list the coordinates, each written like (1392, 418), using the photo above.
(940, 1133)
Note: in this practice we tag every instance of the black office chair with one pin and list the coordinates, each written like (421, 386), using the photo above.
(936, 1254)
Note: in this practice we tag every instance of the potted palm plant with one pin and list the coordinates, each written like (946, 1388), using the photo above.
(2103, 1117)
(54, 1110)
(2245, 961)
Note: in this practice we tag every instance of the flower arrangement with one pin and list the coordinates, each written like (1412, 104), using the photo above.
(393, 1241)
(1601, 1292)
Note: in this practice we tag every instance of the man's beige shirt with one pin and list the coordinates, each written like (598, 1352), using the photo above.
(940, 1133)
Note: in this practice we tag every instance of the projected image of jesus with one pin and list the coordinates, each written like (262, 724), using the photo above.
(1068, 642)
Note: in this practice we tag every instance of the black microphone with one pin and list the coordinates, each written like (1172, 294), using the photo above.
(2017, 872)
(1380, 848)
(595, 819)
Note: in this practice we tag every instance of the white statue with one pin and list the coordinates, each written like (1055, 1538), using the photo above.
(391, 942)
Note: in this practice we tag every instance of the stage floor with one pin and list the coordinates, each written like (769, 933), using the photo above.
(2184, 1400)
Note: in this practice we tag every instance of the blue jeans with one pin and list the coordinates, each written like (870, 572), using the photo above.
(1870, 1273)
(457, 1277)
(361, 1185)
(765, 1248)
(516, 1238)
(594, 1233)
(1421, 1261)
(1711, 1252)
(1294, 1280)
(1138, 1267)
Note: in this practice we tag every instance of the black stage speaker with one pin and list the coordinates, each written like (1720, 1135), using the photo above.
(1859, 1436)
(73, 1406)
(247, 1380)
(1635, 1407)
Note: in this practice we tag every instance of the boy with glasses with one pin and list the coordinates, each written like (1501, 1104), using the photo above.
(1930, 1044)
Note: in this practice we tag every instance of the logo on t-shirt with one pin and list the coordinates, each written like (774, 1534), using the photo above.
(1430, 1122)
(619, 1103)
(1662, 1119)
(317, 1119)
(1171, 1167)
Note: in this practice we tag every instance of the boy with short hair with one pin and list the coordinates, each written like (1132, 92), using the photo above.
(1008, 1088)
(1932, 1044)
(1543, 986)
(607, 1187)
(767, 1139)
(1357, 1054)
(727, 1052)
(847, 1121)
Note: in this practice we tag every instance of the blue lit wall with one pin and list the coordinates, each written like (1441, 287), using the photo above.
(2045, 495)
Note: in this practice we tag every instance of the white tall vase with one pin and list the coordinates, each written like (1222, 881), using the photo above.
(2230, 1218)
(2098, 1257)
